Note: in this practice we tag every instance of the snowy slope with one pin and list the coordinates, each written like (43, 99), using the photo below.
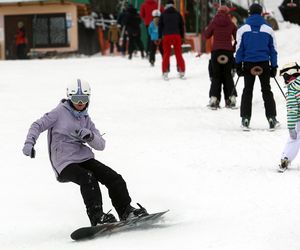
(219, 183)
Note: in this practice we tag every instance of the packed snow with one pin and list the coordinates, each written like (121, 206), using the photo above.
(220, 183)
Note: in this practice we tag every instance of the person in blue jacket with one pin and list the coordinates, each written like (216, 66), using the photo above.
(256, 55)
(153, 33)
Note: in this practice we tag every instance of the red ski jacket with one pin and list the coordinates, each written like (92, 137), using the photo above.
(223, 30)
(146, 10)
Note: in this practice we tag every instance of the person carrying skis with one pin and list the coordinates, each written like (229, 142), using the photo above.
(71, 137)
(171, 30)
(153, 32)
(256, 55)
(291, 75)
(223, 31)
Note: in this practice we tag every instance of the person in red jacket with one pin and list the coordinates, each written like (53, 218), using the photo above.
(21, 41)
(146, 14)
(223, 31)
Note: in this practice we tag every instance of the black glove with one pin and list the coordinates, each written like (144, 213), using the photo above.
(273, 71)
(239, 69)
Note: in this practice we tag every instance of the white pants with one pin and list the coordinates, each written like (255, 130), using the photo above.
(292, 147)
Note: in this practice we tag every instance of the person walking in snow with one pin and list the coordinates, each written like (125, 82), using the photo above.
(223, 31)
(171, 30)
(114, 36)
(155, 42)
(291, 75)
(71, 137)
(132, 23)
(146, 9)
(256, 55)
(21, 41)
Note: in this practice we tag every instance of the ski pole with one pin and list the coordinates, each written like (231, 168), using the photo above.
(279, 87)
(234, 88)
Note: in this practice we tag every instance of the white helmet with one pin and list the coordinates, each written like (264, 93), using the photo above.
(79, 91)
(155, 13)
(288, 70)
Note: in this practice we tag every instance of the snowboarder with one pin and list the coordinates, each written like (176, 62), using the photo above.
(71, 135)
(291, 75)
(256, 47)
(153, 32)
(224, 32)
(171, 30)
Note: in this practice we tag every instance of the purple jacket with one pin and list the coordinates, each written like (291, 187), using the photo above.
(64, 149)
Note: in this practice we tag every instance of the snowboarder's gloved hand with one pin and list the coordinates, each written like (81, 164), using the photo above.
(273, 71)
(293, 134)
(29, 150)
(85, 134)
(239, 69)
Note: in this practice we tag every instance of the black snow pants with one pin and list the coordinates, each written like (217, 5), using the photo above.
(221, 74)
(249, 79)
(87, 174)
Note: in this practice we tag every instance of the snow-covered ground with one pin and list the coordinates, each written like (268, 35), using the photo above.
(220, 183)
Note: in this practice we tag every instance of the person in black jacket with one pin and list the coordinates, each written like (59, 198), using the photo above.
(171, 30)
(132, 22)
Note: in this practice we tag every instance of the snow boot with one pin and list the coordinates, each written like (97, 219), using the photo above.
(97, 216)
(131, 212)
(283, 165)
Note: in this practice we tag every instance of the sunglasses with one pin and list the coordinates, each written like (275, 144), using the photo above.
(80, 98)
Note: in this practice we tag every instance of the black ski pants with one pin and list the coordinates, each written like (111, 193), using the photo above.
(152, 50)
(87, 174)
(221, 74)
(135, 42)
(249, 79)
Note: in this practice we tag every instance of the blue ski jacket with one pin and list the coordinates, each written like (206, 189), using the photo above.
(256, 42)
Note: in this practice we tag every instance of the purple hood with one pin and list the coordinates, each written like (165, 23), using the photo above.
(63, 149)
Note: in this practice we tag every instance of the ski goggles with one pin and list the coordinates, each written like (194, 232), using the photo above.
(76, 99)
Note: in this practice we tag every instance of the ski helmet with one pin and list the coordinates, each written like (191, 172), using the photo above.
(155, 13)
(289, 70)
(79, 91)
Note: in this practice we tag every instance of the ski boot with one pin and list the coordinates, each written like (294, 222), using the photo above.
(231, 102)
(283, 165)
(97, 216)
(181, 75)
(273, 123)
(213, 103)
(131, 212)
(165, 76)
(245, 124)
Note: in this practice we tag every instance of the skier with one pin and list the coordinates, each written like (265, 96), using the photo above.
(71, 135)
(224, 32)
(132, 23)
(171, 30)
(256, 47)
(153, 32)
(146, 9)
(291, 75)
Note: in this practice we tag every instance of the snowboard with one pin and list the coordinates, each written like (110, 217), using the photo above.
(107, 228)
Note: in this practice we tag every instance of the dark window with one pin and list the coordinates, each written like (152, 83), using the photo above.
(49, 31)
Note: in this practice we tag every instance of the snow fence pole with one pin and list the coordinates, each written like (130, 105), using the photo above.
(279, 87)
